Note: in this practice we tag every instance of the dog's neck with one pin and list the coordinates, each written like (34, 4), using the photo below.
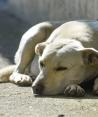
(91, 72)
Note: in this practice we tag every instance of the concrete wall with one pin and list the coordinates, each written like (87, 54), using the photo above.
(40, 10)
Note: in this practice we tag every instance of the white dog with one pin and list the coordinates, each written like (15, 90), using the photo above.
(65, 57)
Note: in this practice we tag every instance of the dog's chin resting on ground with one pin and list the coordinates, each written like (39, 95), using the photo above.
(66, 56)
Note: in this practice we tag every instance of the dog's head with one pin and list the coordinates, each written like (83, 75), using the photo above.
(61, 63)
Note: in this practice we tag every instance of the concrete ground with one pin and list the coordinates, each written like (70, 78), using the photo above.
(19, 101)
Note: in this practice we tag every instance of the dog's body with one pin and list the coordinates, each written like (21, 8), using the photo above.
(67, 57)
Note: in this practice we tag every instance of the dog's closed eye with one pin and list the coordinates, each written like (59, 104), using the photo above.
(42, 64)
(61, 68)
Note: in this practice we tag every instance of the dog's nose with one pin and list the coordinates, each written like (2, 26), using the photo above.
(37, 89)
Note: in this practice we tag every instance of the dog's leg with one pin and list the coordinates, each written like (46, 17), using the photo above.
(26, 51)
(74, 90)
(95, 87)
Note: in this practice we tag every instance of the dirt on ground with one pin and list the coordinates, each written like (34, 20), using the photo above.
(19, 101)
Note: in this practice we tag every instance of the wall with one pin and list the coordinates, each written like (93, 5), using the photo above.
(40, 10)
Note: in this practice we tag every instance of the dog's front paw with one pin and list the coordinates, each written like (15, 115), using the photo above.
(74, 91)
(20, 79)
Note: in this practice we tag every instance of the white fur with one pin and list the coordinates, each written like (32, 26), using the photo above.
(67, 47)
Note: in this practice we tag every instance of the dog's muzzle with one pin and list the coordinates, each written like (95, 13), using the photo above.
(37, 89)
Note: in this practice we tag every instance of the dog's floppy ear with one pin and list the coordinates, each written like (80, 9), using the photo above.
(40, 47)
(90, 56)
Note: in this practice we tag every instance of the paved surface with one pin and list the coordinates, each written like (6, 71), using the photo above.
(19, 101)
